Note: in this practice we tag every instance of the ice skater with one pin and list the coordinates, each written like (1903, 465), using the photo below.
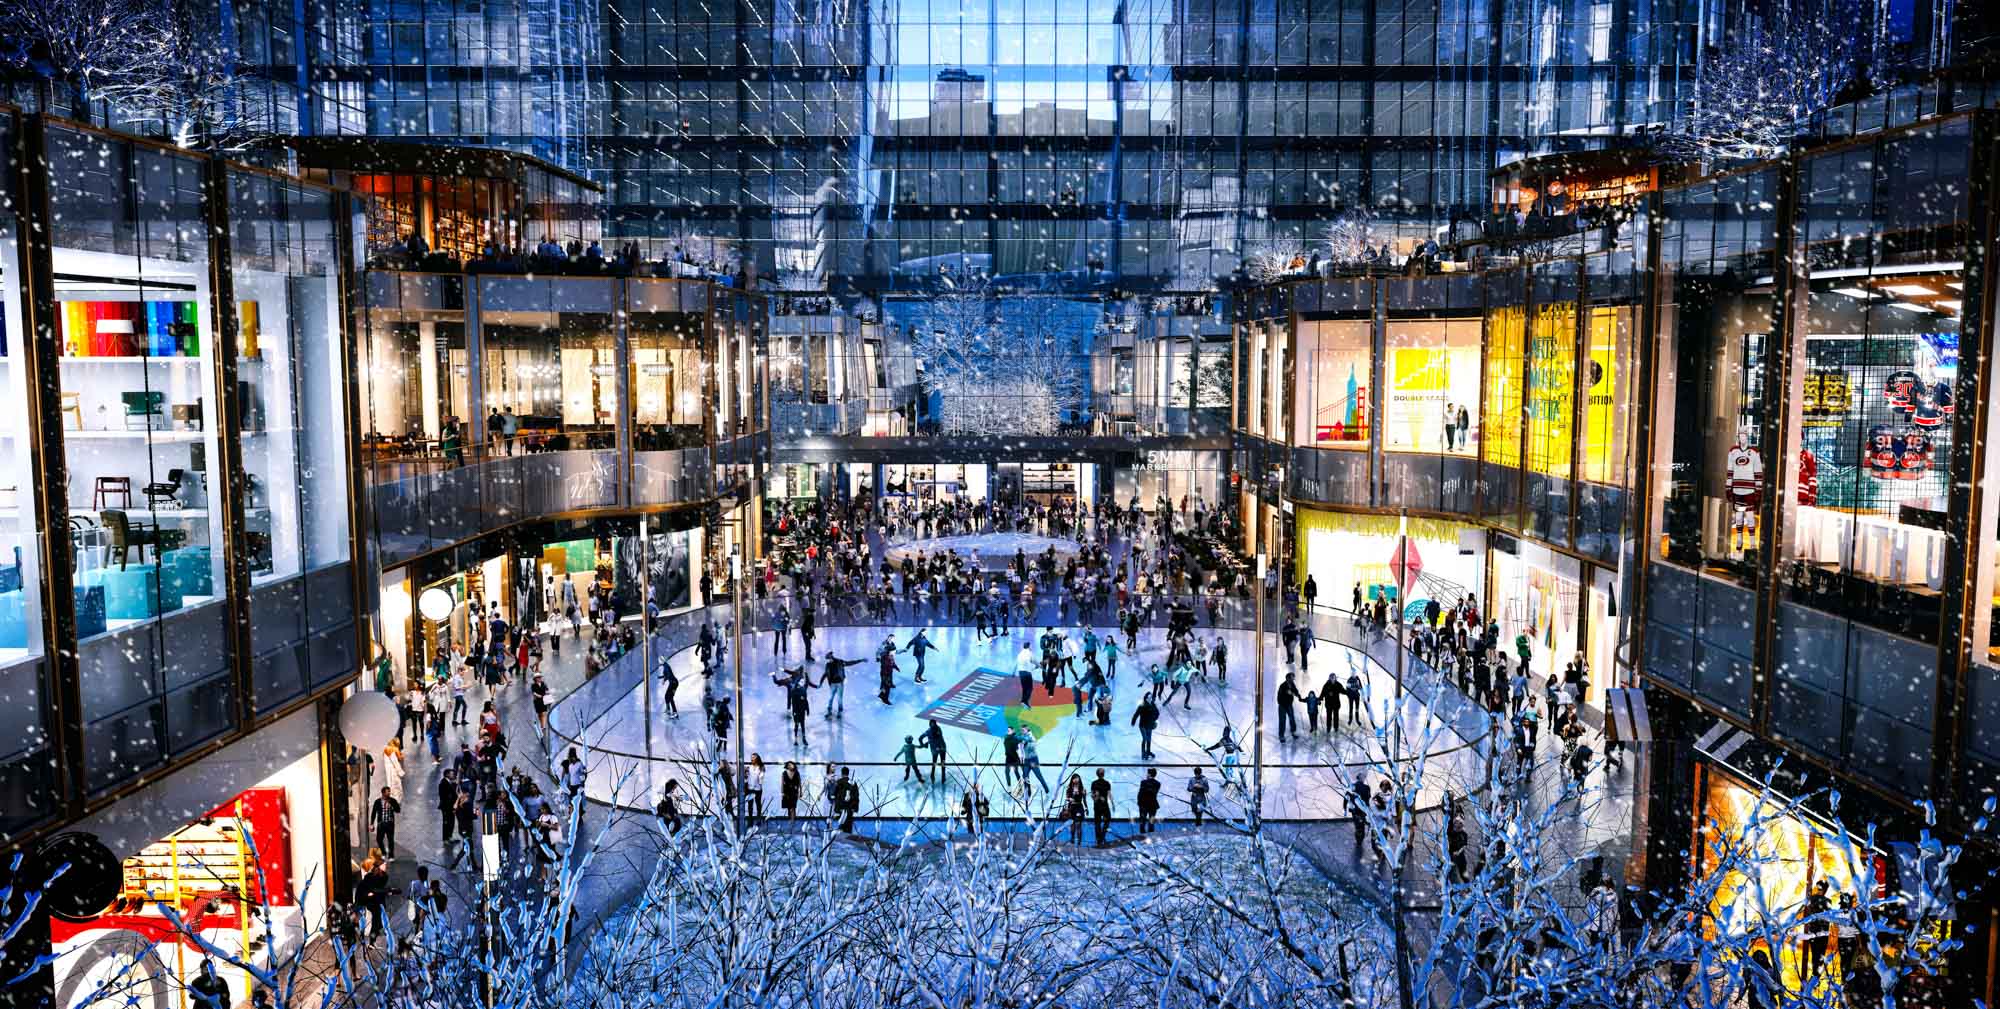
(918, 646)
(934, 742)
(885, 660)
(908, 756)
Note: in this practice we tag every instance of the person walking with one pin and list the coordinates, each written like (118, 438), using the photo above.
(974, 807)
(847, 800)
(1288, 695)
(382, 815)
(1219, 655)
(1198, 796)
(447, 799)
(1072, 814)
(1147, 718)
(1358, 801)
(1311, 699)
(807, 625)
(1111, 650)
(753, 787)
(668, 809)
(1310, 591)
(1306, 642)
(790, 787)
(1330, 694)
(1100, 807)
(798, 703)
(1353, 697)
(1149, 801)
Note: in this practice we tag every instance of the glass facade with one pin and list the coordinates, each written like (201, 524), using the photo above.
(187, 448)
(1143, 144)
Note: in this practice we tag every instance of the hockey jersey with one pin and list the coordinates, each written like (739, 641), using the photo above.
(1744, 476)
(1885, 447)
(1900, 389)
(1808, 477)
(1915, 455)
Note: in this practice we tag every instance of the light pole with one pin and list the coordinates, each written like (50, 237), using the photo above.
(489, 874)
(736, 638)
(1257, 722)
(646, 636)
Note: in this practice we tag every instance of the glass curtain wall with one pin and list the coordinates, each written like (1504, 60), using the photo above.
(1882, 233)
(27, 788)
(137, 376)
(1718, 252)
(291, 361)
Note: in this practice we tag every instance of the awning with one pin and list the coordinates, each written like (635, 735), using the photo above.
(1625, 714)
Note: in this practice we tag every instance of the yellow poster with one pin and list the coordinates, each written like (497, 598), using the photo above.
(1500, 414)
(1602, 448)
(1552, 389)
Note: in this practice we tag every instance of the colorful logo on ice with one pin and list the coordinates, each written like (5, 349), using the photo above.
(989, 701)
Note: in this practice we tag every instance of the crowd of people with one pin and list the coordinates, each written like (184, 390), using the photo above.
(572, 258)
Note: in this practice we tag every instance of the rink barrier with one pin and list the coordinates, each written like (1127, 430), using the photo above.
(573, 717)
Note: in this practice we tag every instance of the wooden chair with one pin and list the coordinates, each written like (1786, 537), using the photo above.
(106, 486)
(72, 404)
(127, 534)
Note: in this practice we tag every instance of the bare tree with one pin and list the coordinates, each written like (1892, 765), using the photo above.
(78, 43)
(1756, 90)
(998, 370)
(183, 76)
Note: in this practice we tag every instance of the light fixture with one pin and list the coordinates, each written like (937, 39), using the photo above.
(1907, 290)
(1855, 292)
(1910, 306)
(1953, 304)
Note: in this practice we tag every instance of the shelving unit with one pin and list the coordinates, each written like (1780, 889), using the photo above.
(199, 860)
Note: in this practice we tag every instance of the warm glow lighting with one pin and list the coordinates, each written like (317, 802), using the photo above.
(1907, 290)
(1854, 292)
(1951, 303)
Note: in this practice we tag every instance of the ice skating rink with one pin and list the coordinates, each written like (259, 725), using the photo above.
(994, 550)
(969, 685)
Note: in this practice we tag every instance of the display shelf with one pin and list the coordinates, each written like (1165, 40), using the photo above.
(129, 359)
(156, 437)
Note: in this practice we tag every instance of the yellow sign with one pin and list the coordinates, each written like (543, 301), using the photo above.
(1602, 426)
(1500, 414)
(1552, 389)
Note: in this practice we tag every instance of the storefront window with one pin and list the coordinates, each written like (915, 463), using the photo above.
(1608, 384)
(26, 786)
(1501, 420)
(1765, 864)
(1872, 412)
(1551, 400)
(1334, 403)
(290, 366)
(137, 376)
(549, 369)
(1432, 374)
(667, 380)
(1718, 252)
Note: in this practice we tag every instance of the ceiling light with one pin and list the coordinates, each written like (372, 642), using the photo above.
(1951, 303)
(1955, 285)
(1854, 292)
(1910, 306)
(1907, 290)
